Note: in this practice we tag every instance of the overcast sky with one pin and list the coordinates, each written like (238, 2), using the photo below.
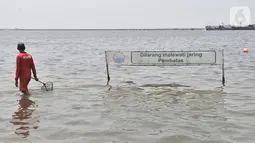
(103, 14)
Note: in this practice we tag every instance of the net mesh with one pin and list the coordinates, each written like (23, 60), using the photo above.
(48, 86)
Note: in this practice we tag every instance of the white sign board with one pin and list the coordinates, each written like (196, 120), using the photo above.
(165, 58)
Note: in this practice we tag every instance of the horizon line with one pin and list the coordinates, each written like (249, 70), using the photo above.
(103, 29)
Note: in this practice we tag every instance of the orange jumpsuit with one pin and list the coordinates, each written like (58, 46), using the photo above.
(24, 65)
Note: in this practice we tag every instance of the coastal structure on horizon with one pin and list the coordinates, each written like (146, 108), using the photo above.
(231, 27)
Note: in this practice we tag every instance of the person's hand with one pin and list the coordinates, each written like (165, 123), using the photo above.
(36, 79)
(16, 83)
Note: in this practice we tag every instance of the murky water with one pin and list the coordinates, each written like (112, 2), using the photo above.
(142, 104)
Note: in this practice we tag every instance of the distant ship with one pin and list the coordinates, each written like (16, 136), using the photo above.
(231, 27)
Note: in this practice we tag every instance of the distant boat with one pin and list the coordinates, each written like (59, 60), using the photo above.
(231, 27)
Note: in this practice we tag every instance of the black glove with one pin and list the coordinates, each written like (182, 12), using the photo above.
(16, 83)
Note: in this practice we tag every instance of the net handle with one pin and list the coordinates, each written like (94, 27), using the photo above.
(39, 81)
(44, 84)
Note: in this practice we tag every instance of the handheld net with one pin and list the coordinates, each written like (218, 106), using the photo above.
(48, 86)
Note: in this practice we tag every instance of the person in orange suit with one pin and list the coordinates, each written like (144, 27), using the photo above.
(24, 65)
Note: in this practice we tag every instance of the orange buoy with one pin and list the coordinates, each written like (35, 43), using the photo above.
(245, 50)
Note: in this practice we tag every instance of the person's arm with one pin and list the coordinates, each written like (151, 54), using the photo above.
(17, 74)
(33, 68)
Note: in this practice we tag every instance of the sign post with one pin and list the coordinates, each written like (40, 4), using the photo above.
(165, 58)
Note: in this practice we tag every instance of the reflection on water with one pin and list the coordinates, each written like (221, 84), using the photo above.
(24, 118)
(165, 85)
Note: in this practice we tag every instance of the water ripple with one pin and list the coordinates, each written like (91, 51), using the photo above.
(144, 104)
